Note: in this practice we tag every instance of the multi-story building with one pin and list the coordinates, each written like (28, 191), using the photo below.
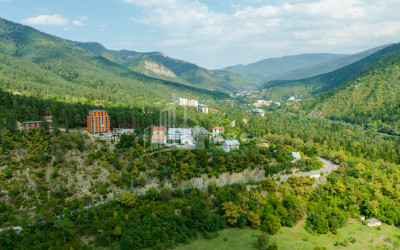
(28, 126)
(193, 103)
(159, 136)
(98, 121)
(180, 134)
(183, 101)
(229, 145)
(203, 108)
(217, 130)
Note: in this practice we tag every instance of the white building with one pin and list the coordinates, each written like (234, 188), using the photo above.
(183, 101)
(260, 103)
(260, 112)
(217, 130)
(193, 103)
(296, 156)
(203, 108)
(292, 98)
(180, 134)
(373, 222)
(229, 145)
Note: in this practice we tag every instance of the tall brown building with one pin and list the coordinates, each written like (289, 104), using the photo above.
(98, 121)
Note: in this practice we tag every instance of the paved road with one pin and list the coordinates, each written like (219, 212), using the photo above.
(328, 167)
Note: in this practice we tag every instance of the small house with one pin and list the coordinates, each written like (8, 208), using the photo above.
(217, 130)
(373, 222)
(296, 156)
(229, 145)
(259, 112)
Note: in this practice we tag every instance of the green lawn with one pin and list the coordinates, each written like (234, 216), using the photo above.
(298, 238)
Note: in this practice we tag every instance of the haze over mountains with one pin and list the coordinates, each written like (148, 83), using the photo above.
(297, 66)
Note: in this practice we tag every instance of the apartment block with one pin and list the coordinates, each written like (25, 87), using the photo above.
(98, 121)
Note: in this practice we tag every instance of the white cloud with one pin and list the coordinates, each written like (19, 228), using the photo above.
(296, 25)
(55, 20)
(80, 21)
(77, 23)
(173, 42)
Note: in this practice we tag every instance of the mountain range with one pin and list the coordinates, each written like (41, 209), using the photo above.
(39, 64)
(297, 66)
(322, 83)
(158, 65)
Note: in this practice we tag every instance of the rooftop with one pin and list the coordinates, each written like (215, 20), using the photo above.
(373, 220)
(159, 128)
(216, 127)
(232, 142)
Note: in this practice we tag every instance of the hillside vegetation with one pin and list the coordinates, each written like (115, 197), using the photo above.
(325, 82)
(185, 72)
(372, 98)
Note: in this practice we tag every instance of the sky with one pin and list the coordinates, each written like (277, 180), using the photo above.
(216, 33)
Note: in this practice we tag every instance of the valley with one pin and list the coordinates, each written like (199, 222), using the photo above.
(118, 149)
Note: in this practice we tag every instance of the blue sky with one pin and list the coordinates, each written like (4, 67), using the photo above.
(216, 33)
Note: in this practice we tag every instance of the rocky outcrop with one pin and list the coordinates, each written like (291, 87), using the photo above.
(157, 69)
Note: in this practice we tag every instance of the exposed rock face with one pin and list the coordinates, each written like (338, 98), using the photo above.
(158, 69)
(225, 178)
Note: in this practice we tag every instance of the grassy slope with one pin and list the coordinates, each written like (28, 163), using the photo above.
(297, 238)
(325, 82)
(187, 73)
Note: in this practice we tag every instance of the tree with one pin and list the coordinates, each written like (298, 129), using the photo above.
(232, 212)
(271, 224)
(254, 220)
(128, 199)
(65, 226)
(317, 222)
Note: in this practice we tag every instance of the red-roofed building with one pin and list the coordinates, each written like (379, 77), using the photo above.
(217, 130)
(158, 130)
(48, 118)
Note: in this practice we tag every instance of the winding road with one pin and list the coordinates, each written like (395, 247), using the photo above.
(328, 167)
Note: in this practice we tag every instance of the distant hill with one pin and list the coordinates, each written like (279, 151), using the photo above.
(183, 72)
(321, 83)
(328, 66)
(35, 63)
(371, 98)
(273, 68)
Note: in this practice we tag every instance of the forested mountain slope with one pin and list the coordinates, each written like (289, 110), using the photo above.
(325, 82)
(371, 98)
(39, 64)
(184, 72)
